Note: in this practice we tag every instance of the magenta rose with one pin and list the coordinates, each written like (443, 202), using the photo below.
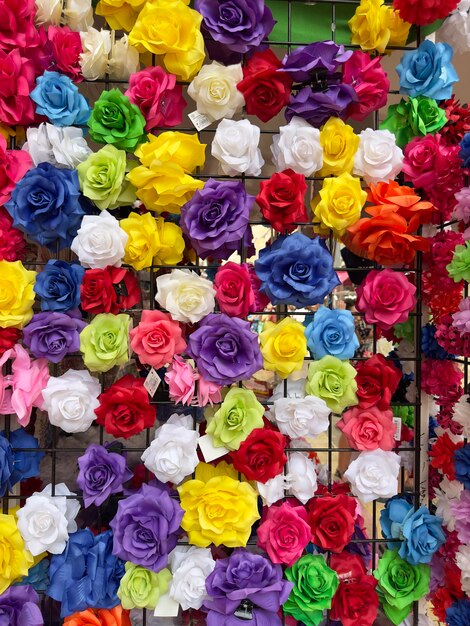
(284, 533)
(425, 160)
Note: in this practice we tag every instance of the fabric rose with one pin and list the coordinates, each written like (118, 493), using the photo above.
(331, 520)
(181, 380)
(124, 409)
(172, 455)
(121, 16)
(99, 617)
(13, 166)
(427, 71)
(48, 12)
(6, 465)
(71, 399)
(12, 241)
(370, 82)
(300, 480)
(66, 47)
(109, 290)
(53, 335)
(374, 26)
(63, 147)
(225, 349)
(45, 205)
(314, 587)
(374, 475)
(207, 392)
(58, 285)
(303, 62)
(187, 296)
(124, 60)
(459, 267)
(17, 76)
(16, 559)
(338, 204)
(356, 598)
(156, 339)
(378, 158)
(19, 605)
(140, 588)
(332, 331)
(261, 455)
(231, 506)
(377, 380)
(284, 533)
(16, 294)
(318, 107)
(340, 144)
(101, 472)
(235, 146)
(25, 464)
(58, 99)
(114, 120)
(234, 290)
(283, 346)
(413, 117)
(297, 147)
(301, 417)
(215, 91)
(333, 381)
(100, 241)
(386, 298)
(238, 415)
(96, 46)
(8, 338)
(104, 343)
(265, 87)
(368, 429)
(282, 200)
(158, 97)
(190, 567)
(424, 158)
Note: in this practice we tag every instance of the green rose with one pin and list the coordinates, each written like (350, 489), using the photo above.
(459, 267)
(104, 342)
(140, 588)
(116, 121)
(400, 584)
(315, 585)
(334, 381)
(102, 178)
(413, 117)
(238, 415)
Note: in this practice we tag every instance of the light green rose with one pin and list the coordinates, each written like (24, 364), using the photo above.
(105, 342)
(140, 588)
(333, 381)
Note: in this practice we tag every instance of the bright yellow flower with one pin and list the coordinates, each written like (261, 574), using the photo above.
(283, 346)
(120, 14)
(15, 560)
(399, 29)
(142, 242)
(221, 511)
(340, 144)
(173, 147)
(370, 25)
(16, 294)
(338, 204)
(170, 243)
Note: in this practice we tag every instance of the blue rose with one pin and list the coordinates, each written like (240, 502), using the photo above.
(464, 153)
(423, 536)
(296, 270)
(58, 99)
(429, 345)
(58, 285)
(332, 332)
(458, 614)
(428, 71)
(392, 517)
(6, 465)
(25, 463)
(462, 465)
(45, 205)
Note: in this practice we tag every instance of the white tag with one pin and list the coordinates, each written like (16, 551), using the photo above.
(166, 607)
(397, 422)
(152, 382)
(199, 120)
(209, 451)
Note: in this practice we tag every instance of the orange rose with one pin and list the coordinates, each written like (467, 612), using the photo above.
(99, 617)
(402, 200)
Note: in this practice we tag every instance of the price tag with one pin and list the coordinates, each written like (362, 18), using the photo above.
(209, 451)
(152, 382)
(199, 120)
(397, 422)
(166, 606)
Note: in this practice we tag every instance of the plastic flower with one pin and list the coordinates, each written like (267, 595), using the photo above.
(333, 381)
(459, 267)
(374, 26)
(99, 617)
(338, 204)
(339, 143)
(141, 588)
(15, 560)
(413, 117)
(378, 158)
(422, 12)
(157, 339)
(58, 98)
(215, 91)
(120, 15)
(332, 332)
(115, 120)
(283, 346)
(104, 342)
(16, 294)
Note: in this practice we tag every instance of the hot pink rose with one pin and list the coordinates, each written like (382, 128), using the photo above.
(13, 165)
(207, 392)
(425, 160)
(17, 29)
(158, 97)
(386, 298)
(17, 78)
(370, 83)
(234, 291)
(181, 380)
(368, 429)
(157, 339)
(66, 47)
(284, 533)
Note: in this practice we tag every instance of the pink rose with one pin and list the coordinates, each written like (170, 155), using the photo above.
(386, 298)
(13, 165)
(370, 83)
(368, 429)
(207, 392)
(284, 533)
(157, 339)
(66, 46)
(158, 97)
(17, 78)
(12, 241)
(462, 208)
(234, 291)
(17, 29)
(181, 380)
(425, 160)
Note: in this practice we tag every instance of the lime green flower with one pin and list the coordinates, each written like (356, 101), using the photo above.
(459, 267)
(116, 121)
(105, 342)
(413, 117)
(140, 588)
(334, 381)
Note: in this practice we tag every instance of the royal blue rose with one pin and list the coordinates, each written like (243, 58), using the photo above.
(26, 461)
(458, 614)
(58, 285)
(332, 332)
(462, 465)
(464, 153)
(58, 98)
(6, 465)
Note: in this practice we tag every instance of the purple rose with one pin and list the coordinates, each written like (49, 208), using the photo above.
(101, 473)
(225, 349)
(18, 607)
(52, 335)
(244, 576)
(215, 220)
(318, 106)
(146, 527)
(305, 60)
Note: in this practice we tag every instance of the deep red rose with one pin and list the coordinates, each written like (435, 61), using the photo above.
(8, 338)
(355, 603)
(281, 200)
(109, 290)
(66, 47)
(234, 291)
(331, 520)
(377, 380)
(442, 455)
(12, 241)
(458, 121)
(265, 88)
(261, 456)
(422, 12)
(125, 408)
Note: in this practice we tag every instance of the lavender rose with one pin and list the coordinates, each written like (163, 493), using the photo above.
(320, 55)
(19, 607)
(316, 107)
(101, 473)
(52, 335)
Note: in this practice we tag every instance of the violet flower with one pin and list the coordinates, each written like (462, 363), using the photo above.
(304, 61)
(101, 473)
(19, 607)
(53, 335)
(316, 107)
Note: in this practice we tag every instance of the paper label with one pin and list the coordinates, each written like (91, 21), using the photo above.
(397, 422)
(209, 451)
(152, 382)
(166, 606)
(199, 120)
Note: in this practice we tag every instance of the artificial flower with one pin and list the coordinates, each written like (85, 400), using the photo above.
(100, 241)
(17, 74)
(141, 588)
(284, 533)
(333, 381)
(66, 47)
(301, 417)
(215, 91)
(368, 429)
(339, 144)
(156, 339)
(338, 204)
(16, 559)
(319, 106)
(13, 166)
(370, 82)
(333, 332)
(101, 472)
(459, 267)
(12, 241)
(235, 146)
(282, 200)
(16, 294)
(301, 477)
(356, 597)
(121, 15)
(283, 346)
(114, 120)
(297, 147)
(124, 60)
(104, 342)
(413, 117)
(19, 605)
(60, 146)
(331, 519)
(422, 12)
(58, 99)
(58, 285)
(378, 158)
(190, 567)
(53, 335)
(96, 46)
(261, 455)
(377, 380)
(187, 296)
(235, 290)
(373, 475)
(109, 290)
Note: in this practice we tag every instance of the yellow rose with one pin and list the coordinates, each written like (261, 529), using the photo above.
(399, 29)
(120, 14)
(338, 204)
(15, 560)
(340, 144)
(370, 25)
(172, 147)
(142, 240)
(170, 243)
(16, 294)
(283, 346)
(219, 510)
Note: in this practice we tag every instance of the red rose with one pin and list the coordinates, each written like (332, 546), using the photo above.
(66, 47)
(370, 83)
(234, 292)
(284, 533)
(8, 337)
(281, 200)
(355, 603)
(261, 456)
(377, 380)
(422, 12)
(125, 408)
(109, 290)
(331, 520)
(368, 429)
(12, 241)
(265, 88)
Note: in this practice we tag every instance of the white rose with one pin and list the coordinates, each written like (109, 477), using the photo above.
(187, 296)
(235, 146)
(172, 455)
(378, 157)
(374, 475)
(48, 12)
(301, 477)
(62, 147)
(72, 505)
(297, 147)
(96, 48)
(124, 60)
(456, 28)
(295, 389)
(71, 399)
(215, 91)
(462, 558)
(272, 490)
(301, 417)
(190, 568)
(78, 14)
(100, 241)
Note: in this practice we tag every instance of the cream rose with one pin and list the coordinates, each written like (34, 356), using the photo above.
(187, 296)
(215, 91)
(96, 48)
(124, 60)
